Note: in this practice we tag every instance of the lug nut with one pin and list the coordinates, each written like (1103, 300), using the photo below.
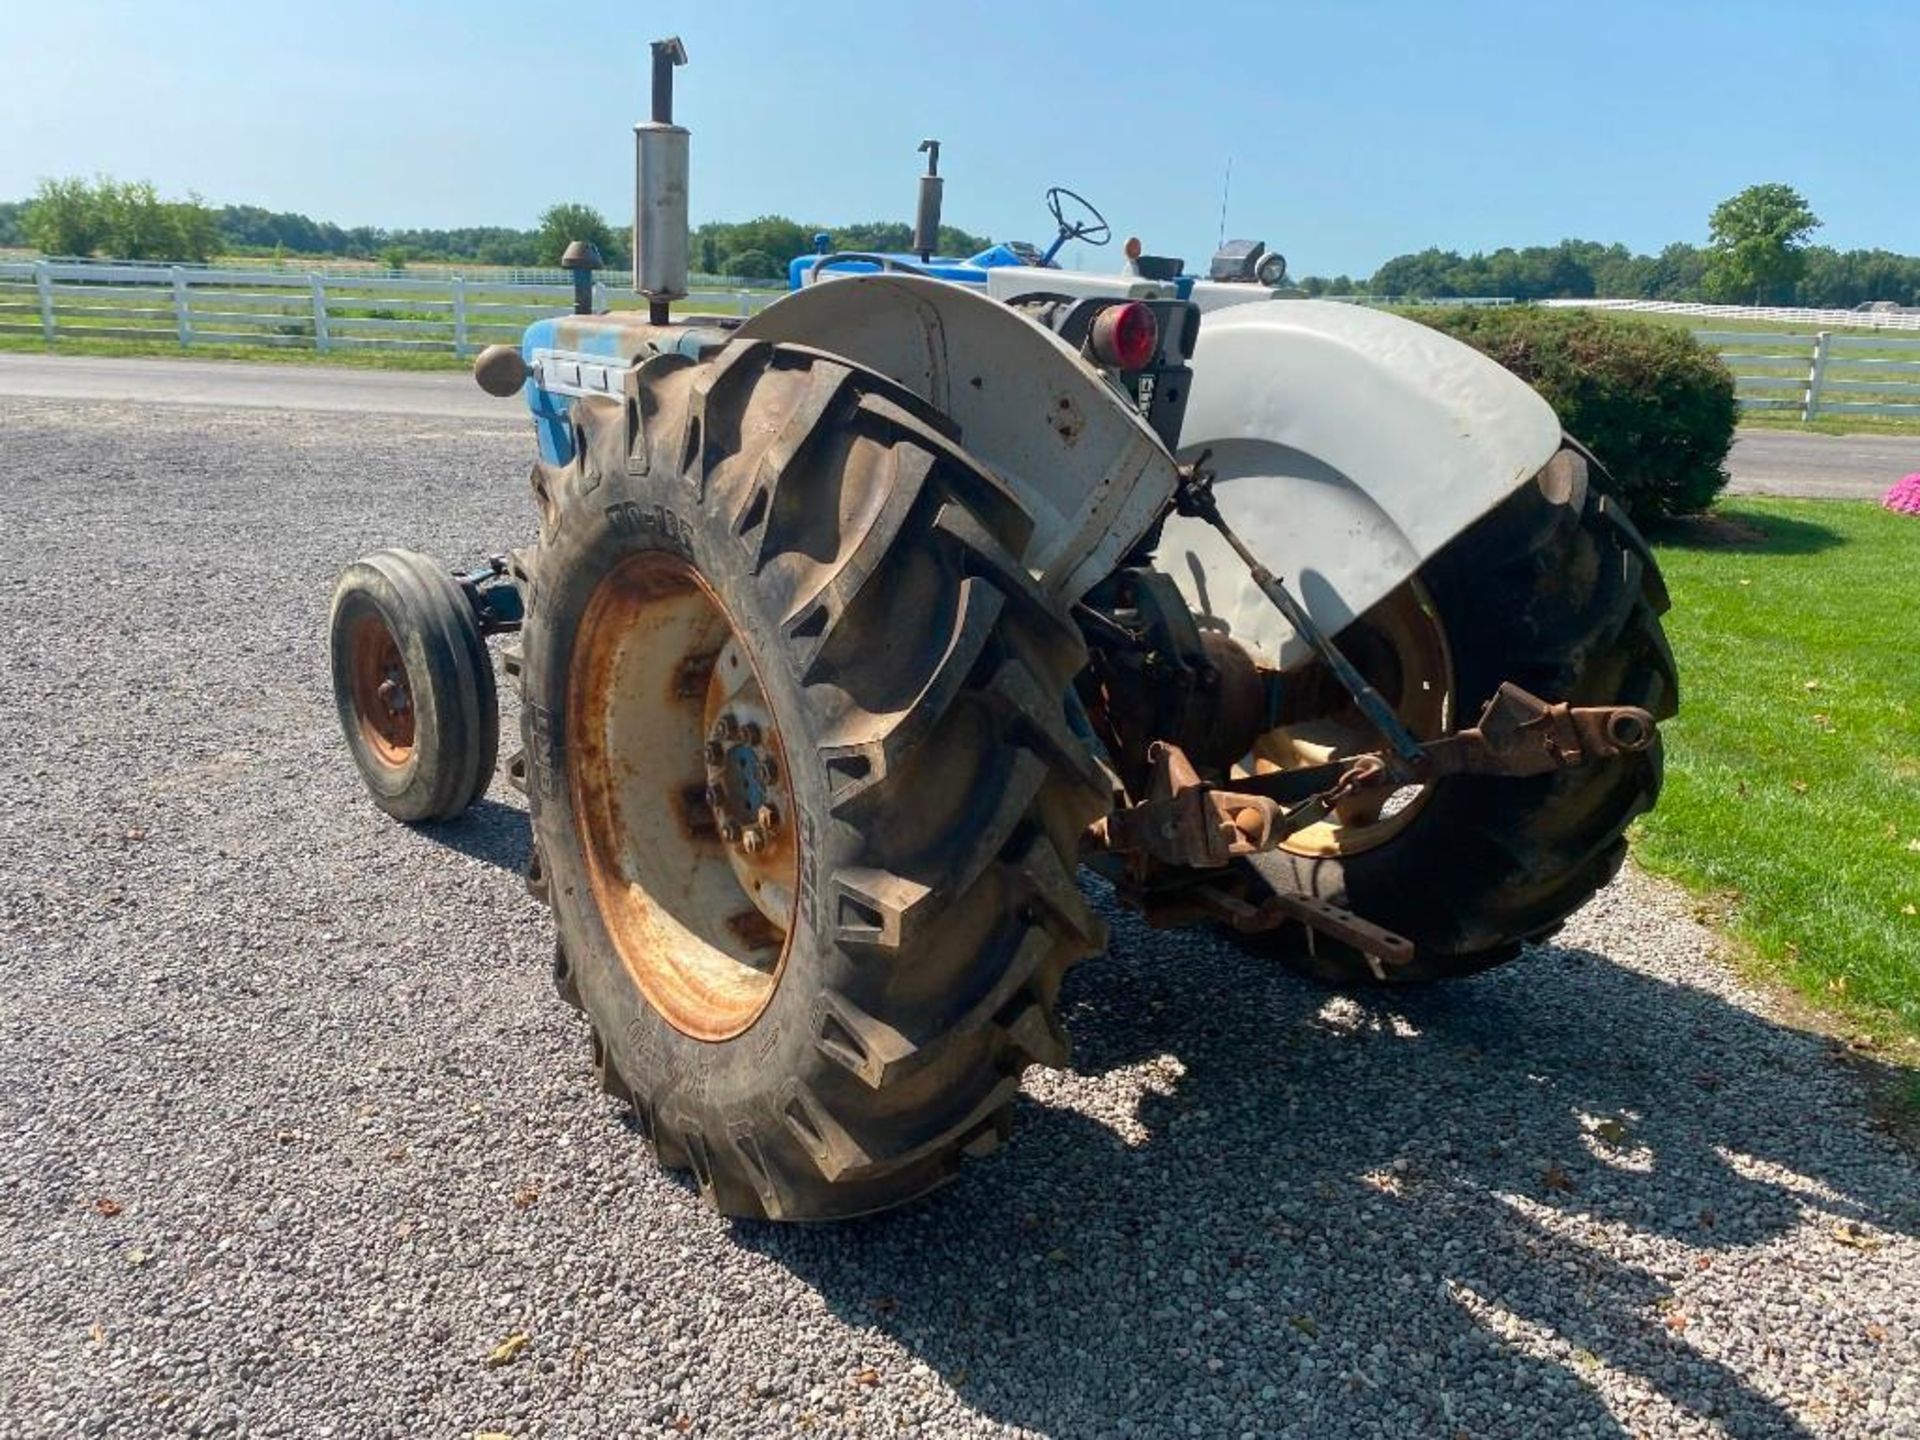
(725, 728)
(753, 839)
(769, 819)
(716, 753)
(749, 734)
(729, 832)
(770, 767)
(714, 797)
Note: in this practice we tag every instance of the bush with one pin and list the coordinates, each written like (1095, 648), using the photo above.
(1653, 404)
(127, 220)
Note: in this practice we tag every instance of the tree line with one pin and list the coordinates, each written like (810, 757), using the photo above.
(1759, 251)
(128, 220)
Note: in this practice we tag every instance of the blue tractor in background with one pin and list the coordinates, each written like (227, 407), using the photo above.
(847, 632)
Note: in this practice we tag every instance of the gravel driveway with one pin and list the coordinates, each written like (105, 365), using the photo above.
(293, 1137)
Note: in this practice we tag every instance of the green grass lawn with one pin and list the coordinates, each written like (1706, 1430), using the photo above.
(1793, 769)
(284, 325)
(171, 349)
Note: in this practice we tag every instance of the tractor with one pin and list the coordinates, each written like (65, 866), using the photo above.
(855, 628)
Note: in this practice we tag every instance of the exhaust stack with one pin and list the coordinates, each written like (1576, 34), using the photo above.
(660, 192)
(926, 218)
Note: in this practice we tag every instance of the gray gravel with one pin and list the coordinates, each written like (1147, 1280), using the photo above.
(310, 1062)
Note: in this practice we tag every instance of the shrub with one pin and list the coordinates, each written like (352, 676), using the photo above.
(1654, 405)
(127, 220)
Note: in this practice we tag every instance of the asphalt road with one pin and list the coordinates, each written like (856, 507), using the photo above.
(239, 384)
(296, 1141)
(1764, 462)
(1820, 467)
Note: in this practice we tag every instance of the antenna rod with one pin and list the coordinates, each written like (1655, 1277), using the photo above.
(1226, 186)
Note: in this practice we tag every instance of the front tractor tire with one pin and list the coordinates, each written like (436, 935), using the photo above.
(804, 803)
(1560, 594)
(413, 685)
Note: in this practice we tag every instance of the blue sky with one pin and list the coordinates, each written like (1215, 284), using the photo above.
(1356, 130)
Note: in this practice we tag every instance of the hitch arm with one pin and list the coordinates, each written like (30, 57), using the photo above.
(1189, 822)
(1517, 735)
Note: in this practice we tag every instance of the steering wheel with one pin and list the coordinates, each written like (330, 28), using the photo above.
(1091, 226)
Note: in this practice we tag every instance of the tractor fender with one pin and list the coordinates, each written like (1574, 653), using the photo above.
(1072, 448)
(1349, 445)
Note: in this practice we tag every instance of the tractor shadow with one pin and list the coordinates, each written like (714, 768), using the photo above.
(491, 830)
(1256, 1207)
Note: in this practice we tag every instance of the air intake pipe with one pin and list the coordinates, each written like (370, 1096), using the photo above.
(660, 192)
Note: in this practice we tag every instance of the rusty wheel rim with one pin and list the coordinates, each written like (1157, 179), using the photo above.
(1401, 647)
(680, 786)
(382, 692)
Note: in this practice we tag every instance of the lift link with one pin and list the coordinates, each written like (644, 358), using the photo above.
(1188, 822)
(1195, 497)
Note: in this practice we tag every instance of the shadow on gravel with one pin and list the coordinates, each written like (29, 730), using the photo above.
(492, 831)
(1451, 1211)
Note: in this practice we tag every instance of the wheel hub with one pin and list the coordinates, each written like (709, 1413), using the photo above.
(683, 796)
(747, 793)
(382, 696)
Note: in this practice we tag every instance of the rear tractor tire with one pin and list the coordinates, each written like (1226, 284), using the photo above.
(805, 806)
(1561, 595)
(413, 685)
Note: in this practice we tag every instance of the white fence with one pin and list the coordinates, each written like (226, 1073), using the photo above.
(193, 305)
(1822, 373)
(1791, 315)
(1813, 373)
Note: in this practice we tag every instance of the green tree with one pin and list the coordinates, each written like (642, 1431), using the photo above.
(65, 218)
(193, 229)
(1759, 244)
(139, 224)
(125, 219)
(1843, 279)
(561, 225)
(752, 265)
(896, 237)
(1429, 275)
(774, 236)
(1679, 273)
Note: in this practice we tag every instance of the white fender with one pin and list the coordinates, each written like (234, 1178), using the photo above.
(1087, 467)
(1349, 445)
